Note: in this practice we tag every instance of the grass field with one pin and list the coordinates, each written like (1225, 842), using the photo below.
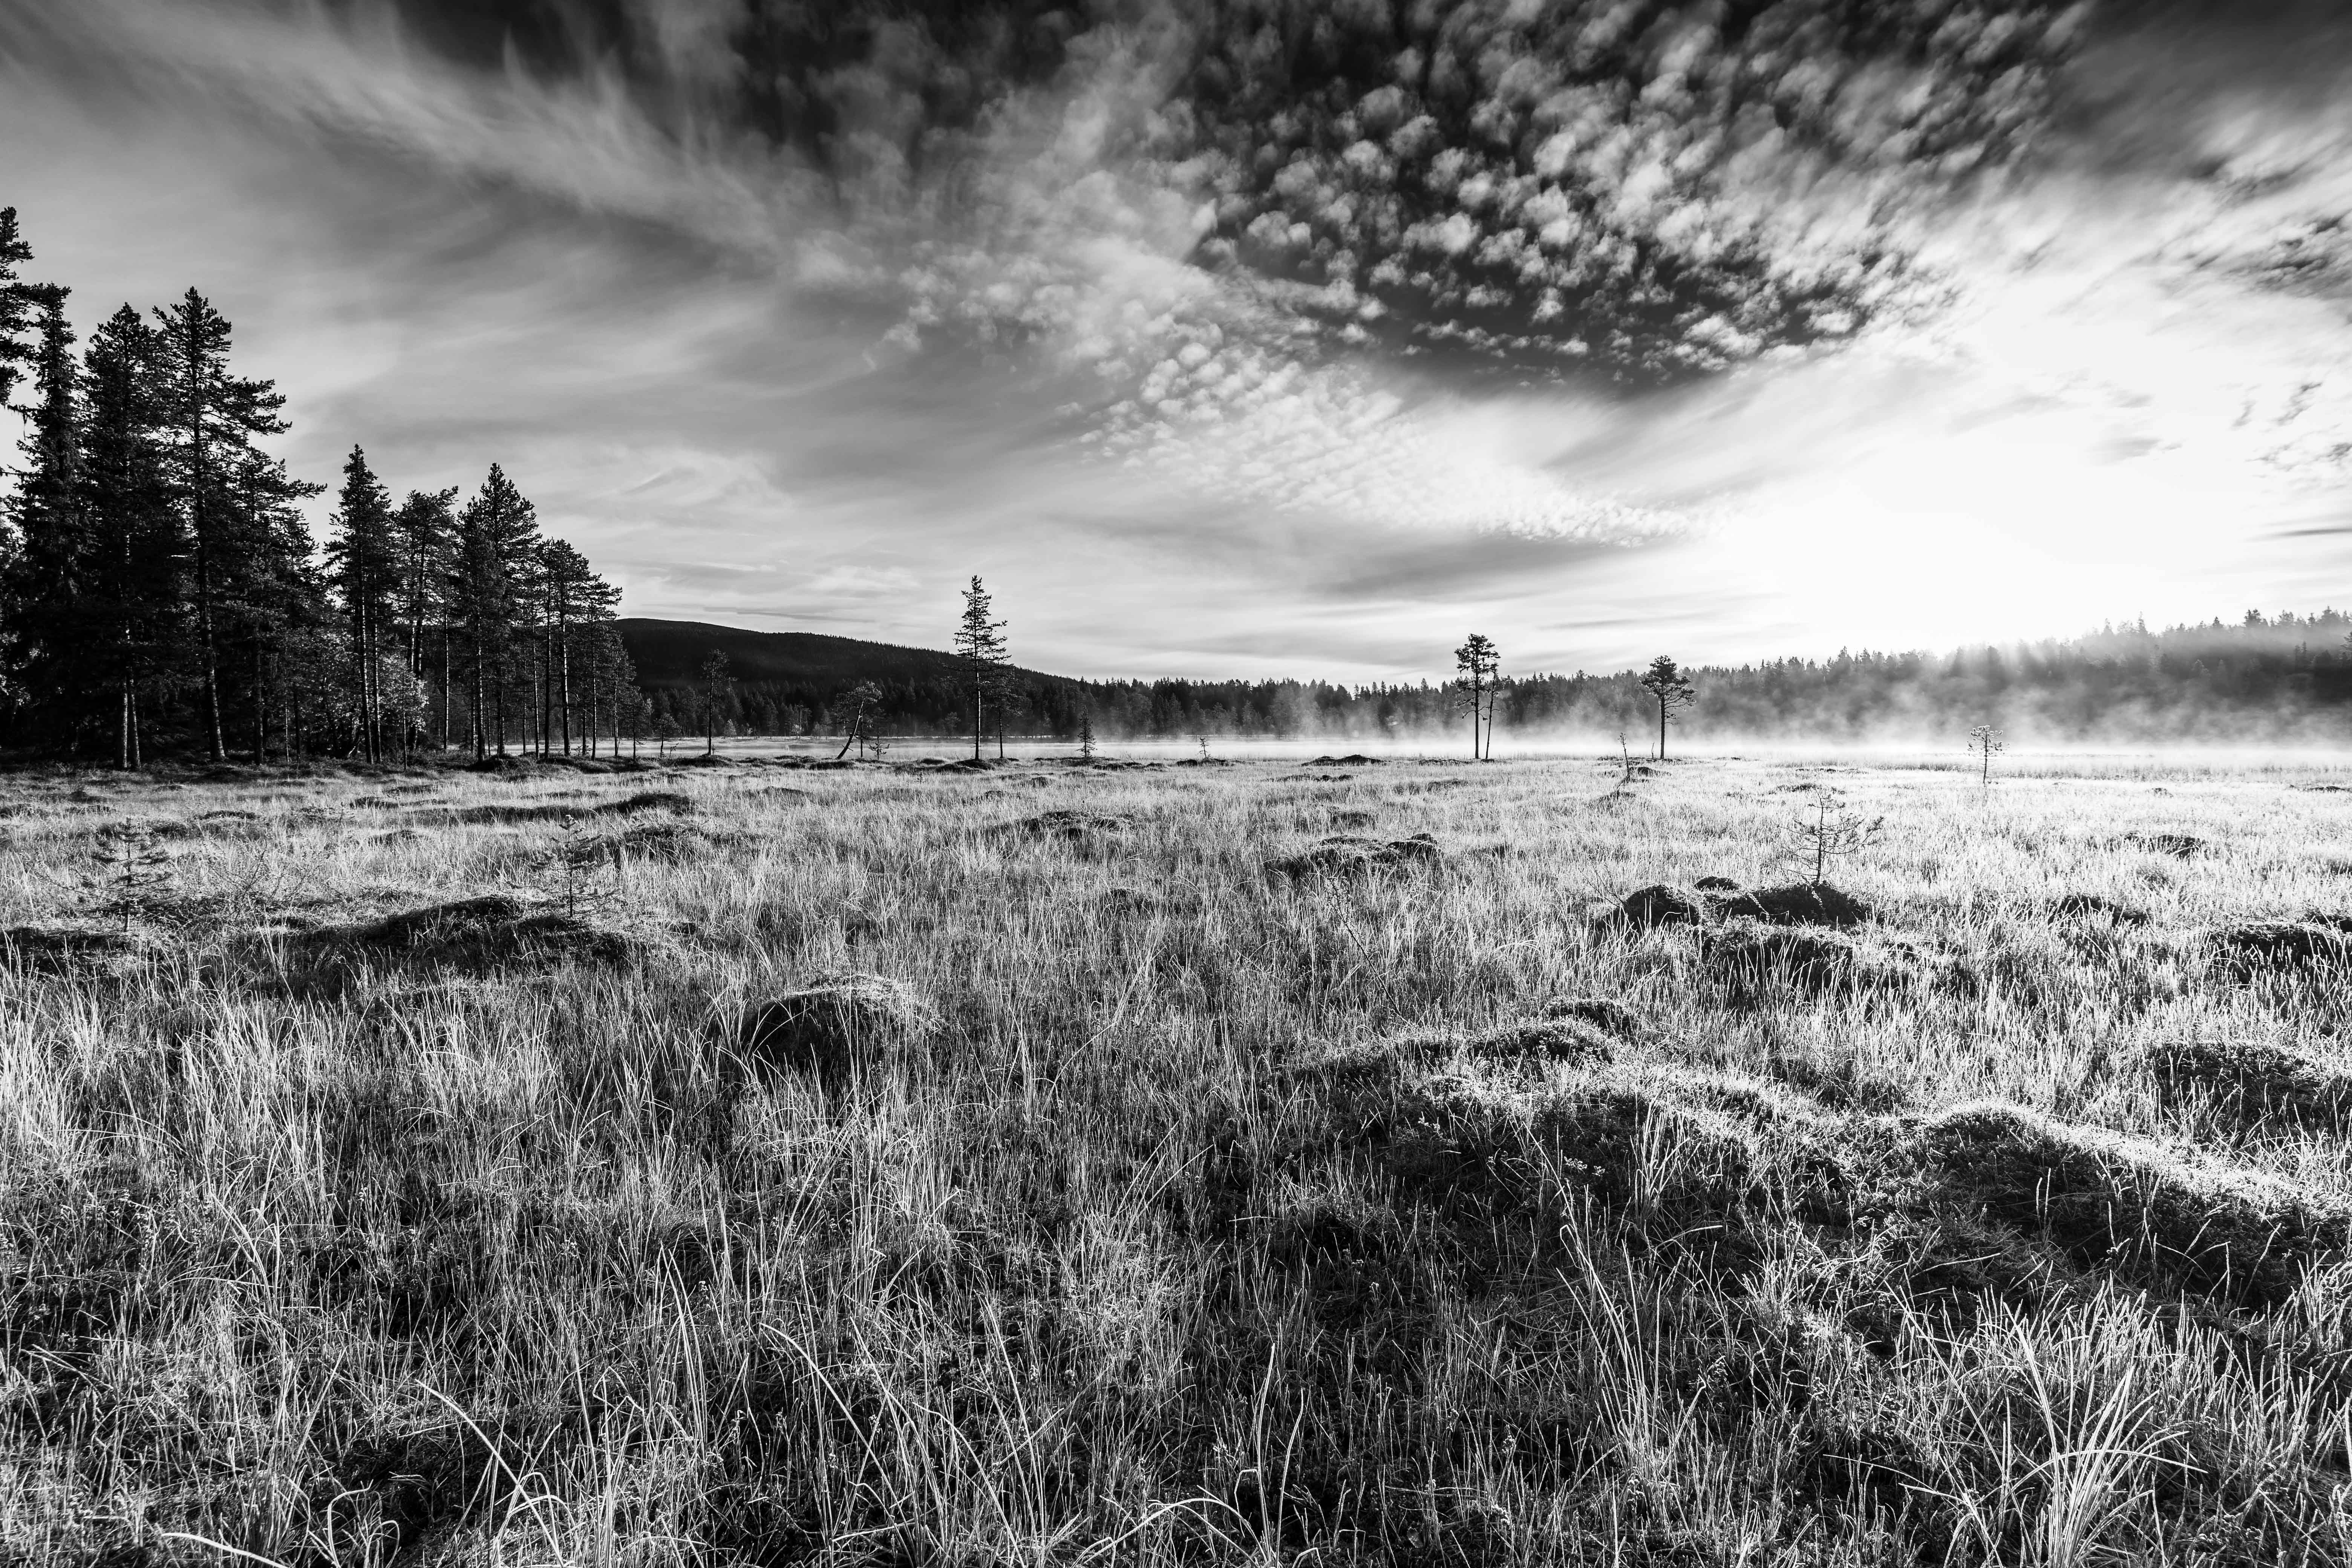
(1050, 1165)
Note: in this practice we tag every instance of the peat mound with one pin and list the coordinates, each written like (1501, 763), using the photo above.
(1755, 964)
(1799, 903)
(646, 800)
(1347, 855)
(1660, 904)
(1610, 1017)
(2249, 1085)
(493, 931)
(836, 1026)
(1070, 826)
(66, 950)
(2179, 846)
(2128, 1211)
(2094, 906)
(665, 841)
(2250, 948)
(1716, 885)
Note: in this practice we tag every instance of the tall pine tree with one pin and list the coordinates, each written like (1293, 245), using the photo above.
(364, 564)
(489, 587)
(423, 535)
(211, 419)
(20, 306)
(281, 600)
(133, 547)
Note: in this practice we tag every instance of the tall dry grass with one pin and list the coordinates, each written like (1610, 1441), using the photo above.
(1202, 1227)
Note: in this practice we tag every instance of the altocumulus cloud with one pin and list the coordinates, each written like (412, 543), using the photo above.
(1311, 329)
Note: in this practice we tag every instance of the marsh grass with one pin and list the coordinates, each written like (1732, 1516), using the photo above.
(1210, 1215)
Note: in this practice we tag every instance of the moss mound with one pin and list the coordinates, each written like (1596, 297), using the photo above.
(837, 1026)
(1345, 855)
(493, 931)
(1610, 1017)
(2123, 1210)
(1798, 903)
(2093, 906)
(2250, 1085)
(1755, 965)
(63, 951)
(2250, 948)
(1660, 904)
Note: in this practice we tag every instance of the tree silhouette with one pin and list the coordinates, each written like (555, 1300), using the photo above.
(716, 683)
(980, 643)
(1478, 660)
(1988, 743)
(1666, 682)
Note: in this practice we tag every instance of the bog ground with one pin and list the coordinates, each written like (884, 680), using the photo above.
(1328, 1161)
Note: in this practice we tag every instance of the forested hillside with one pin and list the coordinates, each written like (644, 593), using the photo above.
(2262, 678)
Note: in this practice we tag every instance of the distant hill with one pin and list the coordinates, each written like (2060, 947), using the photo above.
(786, 681)
(671, 653)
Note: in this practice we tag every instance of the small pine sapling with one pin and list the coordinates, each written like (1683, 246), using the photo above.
(1087, 737)
(1832, 832)
(1988, 743)
(135, 875)
(577, 860)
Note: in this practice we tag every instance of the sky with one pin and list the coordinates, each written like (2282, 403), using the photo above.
(1264, 337)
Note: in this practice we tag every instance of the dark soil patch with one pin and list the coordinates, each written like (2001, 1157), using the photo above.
(1562, 1039)
(1352, 760)
(839, 1025)
(1756, 964)
(668, 841)
(2256, 947)
(2093, 906)
(489, 932)
(1661, 904)
(2250, 1085)
(1799, 903)
(1716, 885)
(646, 800)
(1345, 855)
(2180, 846)
(1612, 1018)
(1071, 826)
(1565, 1039)
(71, 950)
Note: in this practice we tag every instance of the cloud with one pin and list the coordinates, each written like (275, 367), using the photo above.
(1223, 334)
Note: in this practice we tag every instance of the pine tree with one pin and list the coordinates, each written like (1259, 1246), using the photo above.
(132, 548)
(211, 417)
(424, 535)
(1478, 660)
(980, 643)
(1665, 682)
(47, 562)
(364, 564)
(20, 305)
(575, 599)
(489, 587)
(282, 597)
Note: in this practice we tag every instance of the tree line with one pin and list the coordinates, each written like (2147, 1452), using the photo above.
(161, 590)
